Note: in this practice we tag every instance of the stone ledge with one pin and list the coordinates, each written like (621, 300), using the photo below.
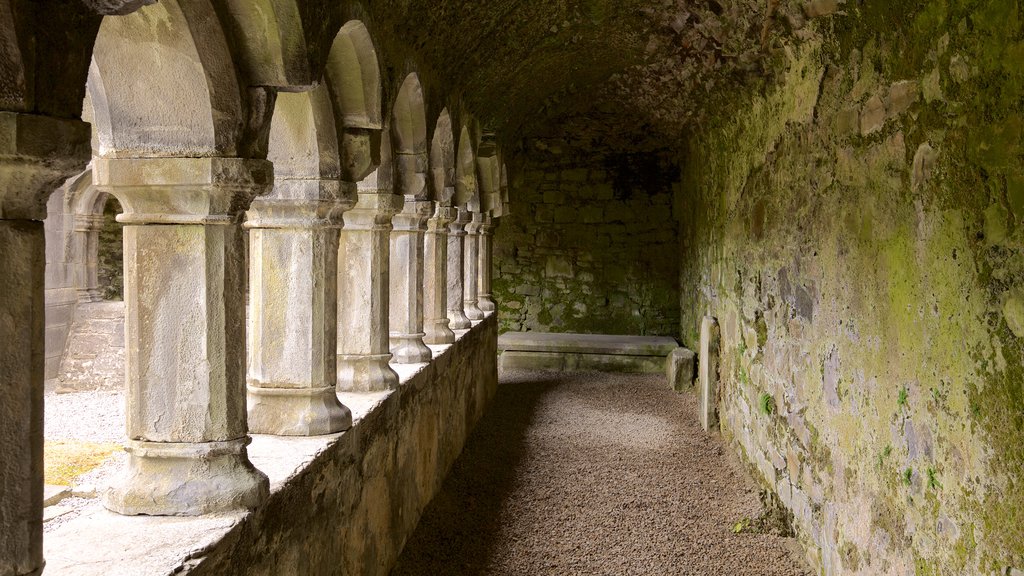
(568, 352)
(339, 504)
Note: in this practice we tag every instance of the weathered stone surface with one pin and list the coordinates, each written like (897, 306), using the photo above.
(370, 484)
(95, 355)
(185, 378)
(548, 351)
(573, 362)
(407, 273)
(436, 323)
(456, 276)
(611, 267)
(657, 346)
(680, 367)
(21, 396)
(364, 294)
(471, 268)
(709, 365)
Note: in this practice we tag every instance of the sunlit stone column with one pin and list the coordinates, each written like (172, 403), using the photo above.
(86, 244)
(293, 308)
(471, 268)
(435, 286)
(363, 287)
(36, 154)
(406, 304)
(456, 261)
(485, 301)
(185, 332)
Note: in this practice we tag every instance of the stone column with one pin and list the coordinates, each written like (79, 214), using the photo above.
(471, 269)
(485, 301)
(435, 286)
(456, 260)
(406, 316)
(293, 309)
(363, 287)
(708, 367)
(86, 247)
(185, 332)
(37, 153)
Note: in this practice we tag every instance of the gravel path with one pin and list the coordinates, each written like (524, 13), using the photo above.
(594, 474)
(93, 416)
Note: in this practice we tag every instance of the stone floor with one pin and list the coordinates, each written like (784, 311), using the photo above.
(586, 473)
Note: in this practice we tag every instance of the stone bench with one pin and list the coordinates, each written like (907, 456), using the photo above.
(600, 352)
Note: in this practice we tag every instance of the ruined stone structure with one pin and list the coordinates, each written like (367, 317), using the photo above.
(823, 198)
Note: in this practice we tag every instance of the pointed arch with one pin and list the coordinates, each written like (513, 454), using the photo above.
(410, 118)
(162, 83)
(467, 191)
(353, 76)
(442, 159)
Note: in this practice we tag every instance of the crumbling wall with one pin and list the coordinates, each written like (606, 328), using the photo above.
(589, 250)
(858, 232)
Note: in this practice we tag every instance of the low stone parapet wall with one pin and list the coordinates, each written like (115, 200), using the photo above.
(342, 504)
(584, 352)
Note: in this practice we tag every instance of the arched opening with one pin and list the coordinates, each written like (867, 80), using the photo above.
(353, 75)
(442, 159)
(161, 85)
(409, 140)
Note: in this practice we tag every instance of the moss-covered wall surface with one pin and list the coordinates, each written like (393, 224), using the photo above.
(589, 250)
(859, 234)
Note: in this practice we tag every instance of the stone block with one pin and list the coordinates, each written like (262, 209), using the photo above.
(710, 344)
(680, 366)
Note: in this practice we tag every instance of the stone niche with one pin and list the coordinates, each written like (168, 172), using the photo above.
(340, 504)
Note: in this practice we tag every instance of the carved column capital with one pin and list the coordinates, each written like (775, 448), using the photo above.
(183, 190)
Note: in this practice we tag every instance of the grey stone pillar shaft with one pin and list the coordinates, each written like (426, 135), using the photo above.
(185, 333)
(86, 247)
(456, 241)
(293, 310)
(22, 264)
(363, 287)
(406, 306)
(37, 153)
(435, 286)
(485, 300)
(471, 269)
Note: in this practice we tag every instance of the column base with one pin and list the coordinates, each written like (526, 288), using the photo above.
(187, 479)
(296, 411)
(473, 312)
(366, 373)
(438, 332)
(457, 320)
(486, 304)
(410, 349)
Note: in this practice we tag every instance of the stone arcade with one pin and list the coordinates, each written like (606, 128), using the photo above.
(823, 198)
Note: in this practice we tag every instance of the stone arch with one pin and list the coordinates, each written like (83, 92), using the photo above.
(162, 84)
(282, 43)
(467, 190)
(442, 159)
(409, 140)
(353, 75)
(410, 119)
(353, 84)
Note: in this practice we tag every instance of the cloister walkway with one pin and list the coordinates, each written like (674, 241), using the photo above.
(595, 474)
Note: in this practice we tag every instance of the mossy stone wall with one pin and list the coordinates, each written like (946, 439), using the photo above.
(859, 233)
(588, 250)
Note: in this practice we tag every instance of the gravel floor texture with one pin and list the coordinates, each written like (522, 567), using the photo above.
(595, 474)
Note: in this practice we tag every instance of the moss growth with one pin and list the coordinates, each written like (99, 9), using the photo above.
(64, 461)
